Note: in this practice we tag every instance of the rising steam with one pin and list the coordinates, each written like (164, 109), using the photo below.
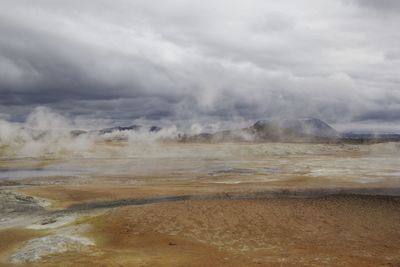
(47, 134)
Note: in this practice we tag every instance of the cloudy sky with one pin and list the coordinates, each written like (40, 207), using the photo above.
(338, 60)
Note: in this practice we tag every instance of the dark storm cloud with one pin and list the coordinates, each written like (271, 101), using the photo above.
(382, 115)
(223, 59)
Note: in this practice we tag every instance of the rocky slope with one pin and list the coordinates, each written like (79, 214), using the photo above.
(294, 130)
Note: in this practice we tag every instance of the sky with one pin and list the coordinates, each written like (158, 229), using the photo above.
(208, 60)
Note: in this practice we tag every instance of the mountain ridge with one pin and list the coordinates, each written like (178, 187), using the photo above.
(273, 130)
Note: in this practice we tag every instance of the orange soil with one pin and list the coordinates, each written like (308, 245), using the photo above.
(335, 231)
(11, 239)
(332, 231)
(63, 196)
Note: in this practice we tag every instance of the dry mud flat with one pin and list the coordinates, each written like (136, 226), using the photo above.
(206, 205)
(337, 230)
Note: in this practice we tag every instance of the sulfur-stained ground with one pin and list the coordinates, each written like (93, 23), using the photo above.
(242, 206)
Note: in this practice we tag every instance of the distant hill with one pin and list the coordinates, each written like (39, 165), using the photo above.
(355, 137)
(294, 130)
(133, 128)
(285, 130)
(120, 129)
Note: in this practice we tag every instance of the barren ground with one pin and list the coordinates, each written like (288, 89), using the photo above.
(206, 205)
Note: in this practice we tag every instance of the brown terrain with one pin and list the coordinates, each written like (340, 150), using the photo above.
(240, 215)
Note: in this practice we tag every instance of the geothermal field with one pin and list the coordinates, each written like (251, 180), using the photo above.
(113, 200)
(199, 133)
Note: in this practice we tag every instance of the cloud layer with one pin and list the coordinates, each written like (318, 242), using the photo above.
(337, 60)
